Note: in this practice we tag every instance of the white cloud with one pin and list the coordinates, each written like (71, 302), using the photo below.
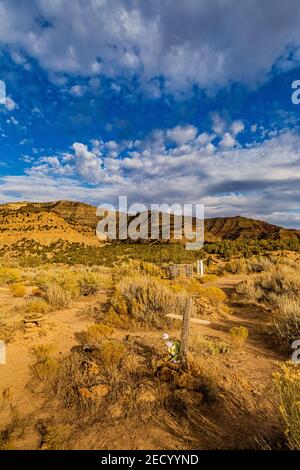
(237, 127)
(227, 141)
(218, 124)
(182, 134)
(77, 90)
(2, 92)
(177, 40)
(5, 100)
(261, 180)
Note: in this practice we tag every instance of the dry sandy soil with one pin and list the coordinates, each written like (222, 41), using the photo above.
(245, 420)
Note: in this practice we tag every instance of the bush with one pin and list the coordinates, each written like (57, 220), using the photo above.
(89, 283)
(205, 346)
(287, 318)
(95, 333)
(249, 290)
(37, 306)
(145, 301)
(9, 275)
(256, 264)
(287, 383)
(208, 278)
(45, 365)
(58, 296)
(18, 290)
(215, 295)
(278, 289)
(239, 334)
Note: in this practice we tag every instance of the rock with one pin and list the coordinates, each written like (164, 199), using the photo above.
(100, 391)
(31, 325)
(95, 392)
(86, 393)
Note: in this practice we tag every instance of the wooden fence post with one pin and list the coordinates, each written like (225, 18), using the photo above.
(185, 332)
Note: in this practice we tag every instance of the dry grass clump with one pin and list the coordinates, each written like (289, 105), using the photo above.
(287, 383)
(287, 318)
(57, 296)
(208, 278)
(249, 290)
(8, 326)
(204, 345)
(239, 335)
(133, 267)
(45, 365)
(144, 301)
(52, 436)
(59, 287)
(36, 306)
(256, 264)
(9, 275)
(13, 431)
(18, 290)
(213, 294)
(89, 283)
(95, 333)
(279, 290)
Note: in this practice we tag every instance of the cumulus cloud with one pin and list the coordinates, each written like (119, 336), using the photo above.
(261, 180)
(227, 141)
(206, 43)
(5, 100)
(182, 134)
(237, 127)
(77, 90)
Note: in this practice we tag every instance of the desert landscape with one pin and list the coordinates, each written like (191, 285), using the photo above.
(91, 358)
(149, 232)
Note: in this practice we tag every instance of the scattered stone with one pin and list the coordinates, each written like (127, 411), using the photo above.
(101, 390)
(95, 392)
(86, 393)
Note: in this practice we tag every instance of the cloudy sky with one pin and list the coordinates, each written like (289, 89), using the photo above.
(162, 101)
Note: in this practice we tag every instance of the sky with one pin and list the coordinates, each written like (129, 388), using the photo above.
(163, 101)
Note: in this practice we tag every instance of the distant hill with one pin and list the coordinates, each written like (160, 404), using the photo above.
(76, 222)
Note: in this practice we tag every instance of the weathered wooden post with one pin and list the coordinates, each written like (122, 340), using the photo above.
(185, 332)
(200, 267)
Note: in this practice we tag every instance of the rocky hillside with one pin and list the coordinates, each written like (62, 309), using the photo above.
(76, 222)
(48, 222)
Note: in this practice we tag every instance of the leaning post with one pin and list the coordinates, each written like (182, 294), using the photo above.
(185, 332)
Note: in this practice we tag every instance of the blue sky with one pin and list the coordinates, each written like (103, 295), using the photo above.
(162, 101)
